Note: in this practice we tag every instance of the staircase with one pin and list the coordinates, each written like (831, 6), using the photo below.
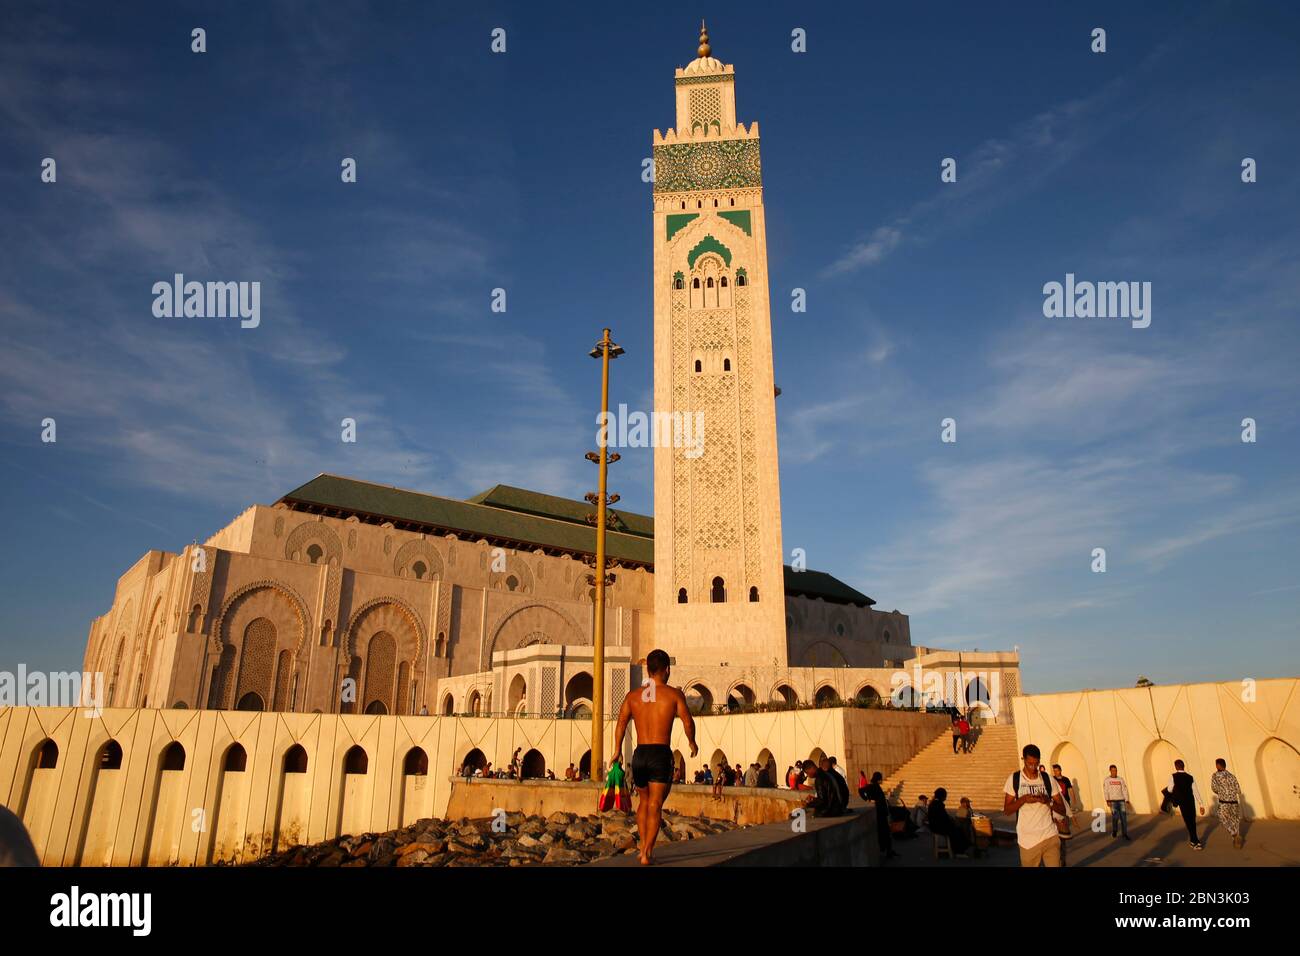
(981, 774)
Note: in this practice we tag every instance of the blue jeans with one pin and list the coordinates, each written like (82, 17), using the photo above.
(1118, 818)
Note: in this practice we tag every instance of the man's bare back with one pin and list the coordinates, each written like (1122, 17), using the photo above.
(653, 708)
(654, 717)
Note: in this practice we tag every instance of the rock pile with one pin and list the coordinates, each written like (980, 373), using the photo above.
(511, 840)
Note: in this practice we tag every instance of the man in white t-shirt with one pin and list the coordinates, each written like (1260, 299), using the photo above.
(1029, 795)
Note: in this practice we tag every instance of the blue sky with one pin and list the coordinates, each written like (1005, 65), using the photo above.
(522, 171)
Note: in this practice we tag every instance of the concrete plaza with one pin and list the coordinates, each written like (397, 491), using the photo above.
(1157, 841)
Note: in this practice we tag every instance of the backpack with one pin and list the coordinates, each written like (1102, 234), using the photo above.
(1062, 825)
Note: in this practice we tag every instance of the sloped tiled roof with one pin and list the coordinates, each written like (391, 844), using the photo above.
(520, 518)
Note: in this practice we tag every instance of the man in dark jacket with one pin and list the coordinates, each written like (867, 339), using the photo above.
(943, 824)
(1187, 796)
(828, 766)
(826, 802)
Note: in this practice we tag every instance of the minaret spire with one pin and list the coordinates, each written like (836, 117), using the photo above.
(705, 49)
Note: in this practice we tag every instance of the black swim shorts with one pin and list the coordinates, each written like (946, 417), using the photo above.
(652, 763)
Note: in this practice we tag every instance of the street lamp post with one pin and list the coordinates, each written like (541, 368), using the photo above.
(605, 350)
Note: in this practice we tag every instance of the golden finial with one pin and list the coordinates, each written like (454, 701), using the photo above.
(705, 49)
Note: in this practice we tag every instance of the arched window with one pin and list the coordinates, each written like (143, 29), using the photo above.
(440, 648)
(447, 706)
(416, 763)
(376, 707)
(236, 759)
(708, 283)
(683, 203)
(753, 595)
(886, 637)
(681, 595)
(295, 759)
(314, 553)
(173, 758)
(251, 701)
(47, 758)
(733, 200)
(699, 366)
(419, 569)
(699, 204)
(740, 279)
(679, 283)
(715, 204)
(695, 283)
(512, 583)
(726, 365)
(723, 282)
(110, 756)
(719, 594)
(356, 761)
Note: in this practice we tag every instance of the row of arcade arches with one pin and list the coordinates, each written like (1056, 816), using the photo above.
(702, 700)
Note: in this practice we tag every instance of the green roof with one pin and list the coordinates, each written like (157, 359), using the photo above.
(520, 518)
(816, 584)
(562, 509)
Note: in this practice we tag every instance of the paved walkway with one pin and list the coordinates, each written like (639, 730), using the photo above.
(1157, 841)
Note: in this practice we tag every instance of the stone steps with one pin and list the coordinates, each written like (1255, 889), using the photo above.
(980, 774)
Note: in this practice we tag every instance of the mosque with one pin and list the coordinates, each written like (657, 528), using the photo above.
(346, 596)
(324, 664)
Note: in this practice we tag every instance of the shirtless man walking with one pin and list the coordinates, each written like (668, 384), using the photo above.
(653, 708)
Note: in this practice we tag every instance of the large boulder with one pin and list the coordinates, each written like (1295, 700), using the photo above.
(560, 854)
(579, 831)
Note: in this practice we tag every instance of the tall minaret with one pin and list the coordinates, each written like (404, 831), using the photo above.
(719, 590)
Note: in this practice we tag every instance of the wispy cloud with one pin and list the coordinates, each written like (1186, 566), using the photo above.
(1002, 169)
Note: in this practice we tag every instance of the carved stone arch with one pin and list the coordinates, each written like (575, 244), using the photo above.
(709, 246)
(826, 684)
(389, 613)
(124, 622)
(297, 604)
(141, 657)
(745, 683)
(417, 549)
(518, 568)
(699, 703)
(116, 674)
(709, 265)
(778, 692)
(301, 537)
(115, 635)
(692, 241)
(287, 617)
(524, 623)
(868, 692)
